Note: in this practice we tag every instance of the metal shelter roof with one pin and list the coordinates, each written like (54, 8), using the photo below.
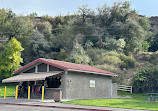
(30, 76)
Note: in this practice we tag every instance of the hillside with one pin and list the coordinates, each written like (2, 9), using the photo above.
(154, 24)
(114, 38)
(143, 60)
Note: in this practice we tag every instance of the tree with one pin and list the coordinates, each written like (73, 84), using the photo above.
(120, 11)
(45, 28)
(11, 25)
(10, 57)
(88, 44)
(103, 16)
(146, 80)
(64, 40)
(84, 12)
(21, 28)
(5, 25)
(39, 46)
(154, 43)
(78, 55)
(116, 28)
(121, 22)
(135, 35)
(33, 14)
(145, 23)
(114, 44)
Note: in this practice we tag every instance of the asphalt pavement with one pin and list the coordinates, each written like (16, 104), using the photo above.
(10, 104)
(30, 108)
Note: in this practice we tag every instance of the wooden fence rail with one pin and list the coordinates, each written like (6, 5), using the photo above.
(125, 88)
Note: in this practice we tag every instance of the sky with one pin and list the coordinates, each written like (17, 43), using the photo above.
(63, 7)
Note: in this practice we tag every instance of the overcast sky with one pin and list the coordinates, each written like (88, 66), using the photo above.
(60, 7)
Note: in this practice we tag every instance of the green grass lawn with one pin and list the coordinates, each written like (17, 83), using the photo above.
(10, 91)
(138, 101)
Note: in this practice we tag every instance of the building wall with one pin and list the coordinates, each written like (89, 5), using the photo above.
(64, 84)
(78, 86)
(114, 90)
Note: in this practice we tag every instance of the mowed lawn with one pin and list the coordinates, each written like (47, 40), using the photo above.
(138, 101)
(10, 91)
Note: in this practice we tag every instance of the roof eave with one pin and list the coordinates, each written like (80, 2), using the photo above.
(97, 73)
(38, 60)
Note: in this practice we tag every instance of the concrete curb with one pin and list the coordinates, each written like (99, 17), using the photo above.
(61, 107)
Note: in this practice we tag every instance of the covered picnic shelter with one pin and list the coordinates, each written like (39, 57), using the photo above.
(76, 81)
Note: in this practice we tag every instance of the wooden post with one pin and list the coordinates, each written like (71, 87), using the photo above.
(131, 89)
(42, 93)
(16, 93)
(36, 68)
(47, 67)
(5, 90)
(28, 92)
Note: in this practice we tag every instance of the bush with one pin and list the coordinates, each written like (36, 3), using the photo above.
(114, 44)
(78, 55)
(102, 56)
(111, 68)
(128, 62)
(146, 80)
(112, 60)
(121, 79)
(95, 54)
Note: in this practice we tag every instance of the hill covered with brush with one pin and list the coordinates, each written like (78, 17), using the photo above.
(114, 38)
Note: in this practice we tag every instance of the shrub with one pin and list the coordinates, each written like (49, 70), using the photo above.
(112, 60)
(146, 80)
(95, 54)
(111, 68)
(128, 62)
(78, 55)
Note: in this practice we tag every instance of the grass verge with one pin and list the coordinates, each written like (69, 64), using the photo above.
(138, 101)
(10, 91)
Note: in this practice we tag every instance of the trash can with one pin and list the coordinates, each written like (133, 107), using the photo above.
(57, 95)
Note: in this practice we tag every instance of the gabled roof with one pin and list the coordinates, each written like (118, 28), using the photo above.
(68, 67)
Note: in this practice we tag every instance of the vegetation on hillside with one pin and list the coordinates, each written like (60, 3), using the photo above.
(113, 38)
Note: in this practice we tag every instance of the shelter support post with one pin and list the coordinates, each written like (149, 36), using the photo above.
(5, 90)
(16, 93)
(42, 93)
(28, 92)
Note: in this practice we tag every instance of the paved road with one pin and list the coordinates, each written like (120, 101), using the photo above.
(30, 108)
(10, 104)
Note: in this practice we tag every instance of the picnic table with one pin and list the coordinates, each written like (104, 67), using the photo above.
(152, 96)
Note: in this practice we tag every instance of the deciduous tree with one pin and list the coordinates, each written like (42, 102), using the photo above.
(10, 57)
